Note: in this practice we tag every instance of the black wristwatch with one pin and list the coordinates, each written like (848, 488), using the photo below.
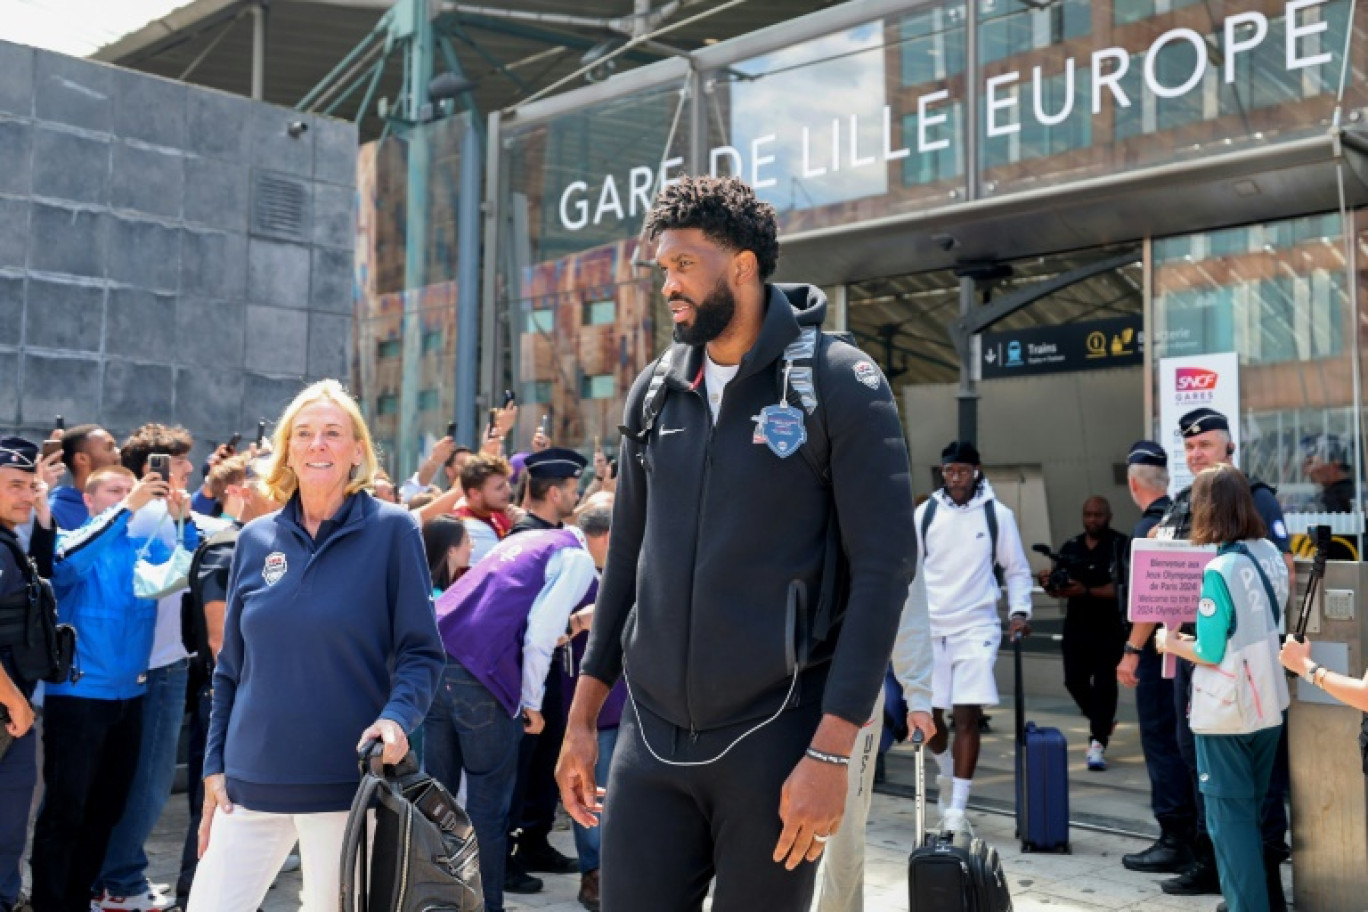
(1132, 650)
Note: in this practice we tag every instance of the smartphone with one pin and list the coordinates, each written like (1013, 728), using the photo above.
(493, 423)
(612, 468)
(59, 423)
(261, 431)
(510, 398)
(234, 441)
(451, 429)
(546, 426)
(51, 446)
(160, 464)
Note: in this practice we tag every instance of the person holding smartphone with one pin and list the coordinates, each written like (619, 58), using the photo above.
(92, 728)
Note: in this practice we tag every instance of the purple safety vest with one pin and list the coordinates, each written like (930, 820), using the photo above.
(483, 618)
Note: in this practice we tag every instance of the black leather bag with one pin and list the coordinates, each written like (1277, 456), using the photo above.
(48, 652)
(424, 857)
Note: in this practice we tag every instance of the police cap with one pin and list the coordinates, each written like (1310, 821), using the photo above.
(1147, 452)
(1199, 421)
(18, 453)
(556, 462)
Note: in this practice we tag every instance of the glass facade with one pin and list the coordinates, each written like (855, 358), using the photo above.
(1279, 295)
(914, 115)
(1072, 90)
(406, 309)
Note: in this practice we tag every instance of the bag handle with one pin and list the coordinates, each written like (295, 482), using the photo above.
(147, 545)
(1240, 548)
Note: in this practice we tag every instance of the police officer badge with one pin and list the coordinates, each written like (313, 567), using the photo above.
(274, 568)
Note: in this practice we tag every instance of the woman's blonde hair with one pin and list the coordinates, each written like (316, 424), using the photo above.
(281, 482)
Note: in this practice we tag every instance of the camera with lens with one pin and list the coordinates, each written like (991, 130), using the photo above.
(1059, 576)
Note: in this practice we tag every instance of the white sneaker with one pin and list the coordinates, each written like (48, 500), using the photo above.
(943, 789)
(955, 821)
(1097, 757)
(151, 901)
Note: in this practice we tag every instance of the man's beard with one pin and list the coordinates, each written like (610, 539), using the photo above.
(711, 317)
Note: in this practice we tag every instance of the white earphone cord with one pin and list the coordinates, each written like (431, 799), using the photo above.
(632, 699)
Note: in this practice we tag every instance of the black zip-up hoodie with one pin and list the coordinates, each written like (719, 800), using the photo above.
(711, 530)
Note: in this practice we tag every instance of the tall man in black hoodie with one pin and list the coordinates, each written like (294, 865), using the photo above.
(761, 554)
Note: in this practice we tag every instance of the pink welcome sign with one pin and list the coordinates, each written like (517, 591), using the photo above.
(1166, 580)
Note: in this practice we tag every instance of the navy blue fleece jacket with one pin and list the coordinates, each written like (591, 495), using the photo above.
(322, 637)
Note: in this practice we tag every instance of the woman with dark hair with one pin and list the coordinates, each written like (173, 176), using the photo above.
(1239, 693)
(448, 551)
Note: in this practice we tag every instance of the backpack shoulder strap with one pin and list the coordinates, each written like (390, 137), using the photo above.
(654, 399)
(928, 515)
(990, 514)
(800, 364)
(221, 537)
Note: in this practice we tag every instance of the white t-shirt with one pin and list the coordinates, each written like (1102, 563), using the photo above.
(715, 379)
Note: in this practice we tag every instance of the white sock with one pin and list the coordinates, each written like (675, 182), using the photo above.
(944, 760)
(959, 794)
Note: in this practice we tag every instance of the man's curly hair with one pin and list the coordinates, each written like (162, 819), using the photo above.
(726, 210)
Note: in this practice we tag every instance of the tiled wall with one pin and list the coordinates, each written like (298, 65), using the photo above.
(133, 285)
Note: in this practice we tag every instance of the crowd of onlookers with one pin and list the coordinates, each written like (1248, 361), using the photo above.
(139, 545)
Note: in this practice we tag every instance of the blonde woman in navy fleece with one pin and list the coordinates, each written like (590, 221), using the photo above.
(330, 640)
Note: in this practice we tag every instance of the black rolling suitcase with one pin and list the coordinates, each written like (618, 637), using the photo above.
(424, 857)
(952, 875)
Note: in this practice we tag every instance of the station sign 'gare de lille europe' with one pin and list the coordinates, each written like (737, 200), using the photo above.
(838, 145)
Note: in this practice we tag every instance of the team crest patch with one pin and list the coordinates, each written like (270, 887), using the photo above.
(867, 374)
(275, 568)
(1206, 607)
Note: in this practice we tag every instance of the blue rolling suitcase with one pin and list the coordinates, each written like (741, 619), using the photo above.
(1042, 778)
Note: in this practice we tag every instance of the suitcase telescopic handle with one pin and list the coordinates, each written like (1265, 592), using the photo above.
(1020, 696)
(919, 745)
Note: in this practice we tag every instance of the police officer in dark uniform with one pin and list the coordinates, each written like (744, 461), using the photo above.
(553, 476)
(552, 488)
(1142, 668)
(1207, 442)
(19, 496)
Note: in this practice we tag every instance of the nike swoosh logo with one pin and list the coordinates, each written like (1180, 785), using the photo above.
(665, 432)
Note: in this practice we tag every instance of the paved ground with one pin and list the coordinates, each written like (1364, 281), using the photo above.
(1091, 877)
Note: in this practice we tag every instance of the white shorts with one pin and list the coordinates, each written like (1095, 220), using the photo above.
(962, 667)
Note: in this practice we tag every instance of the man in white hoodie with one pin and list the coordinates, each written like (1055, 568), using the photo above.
(965, 540)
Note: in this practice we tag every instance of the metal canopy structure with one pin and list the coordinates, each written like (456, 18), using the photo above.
(510, 49)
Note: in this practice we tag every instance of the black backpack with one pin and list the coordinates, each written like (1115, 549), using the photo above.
(48, 652)
(424, 857)
(194, 625)
(800, 391)
(989, 516)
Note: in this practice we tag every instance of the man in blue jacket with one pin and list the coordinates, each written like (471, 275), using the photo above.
(86, 449)
(92, 728)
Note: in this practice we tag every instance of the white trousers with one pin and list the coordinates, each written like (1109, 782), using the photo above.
(247, 848)
(840, 878)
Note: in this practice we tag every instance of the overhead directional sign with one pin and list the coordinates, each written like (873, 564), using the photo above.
(1067, 347)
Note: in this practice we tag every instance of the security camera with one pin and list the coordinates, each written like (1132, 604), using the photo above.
(297, 128)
